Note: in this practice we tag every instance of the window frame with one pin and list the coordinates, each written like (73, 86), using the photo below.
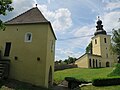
(27, 38)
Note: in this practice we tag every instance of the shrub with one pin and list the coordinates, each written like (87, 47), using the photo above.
(116, 71)
(106, 81)
(72, 82)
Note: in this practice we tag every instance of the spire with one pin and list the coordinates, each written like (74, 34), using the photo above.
(99, 24)
(99, 28)
(36, 5)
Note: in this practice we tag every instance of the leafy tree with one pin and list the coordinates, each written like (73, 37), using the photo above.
(5, 5)
(66, 61)
(89, 48)
(116, 42)
(71, 59)
(60, 61)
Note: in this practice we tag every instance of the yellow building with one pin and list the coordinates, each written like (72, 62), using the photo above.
(101, 55)
(29, 43)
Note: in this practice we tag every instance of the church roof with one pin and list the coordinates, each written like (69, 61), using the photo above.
(31, 16)
(89, 55)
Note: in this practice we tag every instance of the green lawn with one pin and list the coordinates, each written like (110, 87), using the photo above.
(87, 74)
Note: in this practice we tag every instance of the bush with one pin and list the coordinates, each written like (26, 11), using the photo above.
(116, 71)
(72, 82)
(72, 79)
(106, 81)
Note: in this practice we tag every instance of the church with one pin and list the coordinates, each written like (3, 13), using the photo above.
(101, 55)
(27, 46)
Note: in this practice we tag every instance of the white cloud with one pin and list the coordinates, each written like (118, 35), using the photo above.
(66, 53)
(113, 5)
(60, 18)
(85, 34)
(110, 20)
(17, 4)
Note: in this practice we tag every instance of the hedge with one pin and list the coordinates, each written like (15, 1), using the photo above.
(74, 83)
(106, 81)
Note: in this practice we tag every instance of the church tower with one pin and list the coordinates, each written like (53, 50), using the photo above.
(101, 55)
(101, 43)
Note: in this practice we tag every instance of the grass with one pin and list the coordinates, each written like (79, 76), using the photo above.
(101, 88)
(86, 74)
(78, 73)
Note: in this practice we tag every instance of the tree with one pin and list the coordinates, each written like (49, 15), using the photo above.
(66, 61)
(89, 48)
(71, 59)
(116, 42)
(5, 5)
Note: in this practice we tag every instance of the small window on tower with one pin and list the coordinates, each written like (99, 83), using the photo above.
(105, 40)
(106, 55)
(95, 41)
(28, 37)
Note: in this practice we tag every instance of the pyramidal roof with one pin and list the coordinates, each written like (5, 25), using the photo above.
(33, 15)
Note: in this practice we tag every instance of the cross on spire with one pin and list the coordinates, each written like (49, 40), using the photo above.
(98, 17)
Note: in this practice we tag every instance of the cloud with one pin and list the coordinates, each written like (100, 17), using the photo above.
(19, 6)
(110, 20)
(60, 18)
(75, 47)
(113, 5)
(64, 53)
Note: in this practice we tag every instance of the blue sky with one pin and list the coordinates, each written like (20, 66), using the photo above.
(72, 20)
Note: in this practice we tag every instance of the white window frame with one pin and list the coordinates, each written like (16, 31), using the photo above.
(27, 37)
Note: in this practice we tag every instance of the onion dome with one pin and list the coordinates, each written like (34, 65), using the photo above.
(100, 29)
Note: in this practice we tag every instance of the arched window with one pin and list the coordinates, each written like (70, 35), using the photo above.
(107, 55)
(107, 64)
(105, 40)
(28, 37)
(95, 41)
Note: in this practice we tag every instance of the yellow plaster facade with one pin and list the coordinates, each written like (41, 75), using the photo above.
(31, 53)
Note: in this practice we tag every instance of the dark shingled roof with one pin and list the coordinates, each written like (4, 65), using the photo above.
(31, 16)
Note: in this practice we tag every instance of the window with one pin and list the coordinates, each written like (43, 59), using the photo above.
(107, 64)
(95, 41)
(7, 49)
(105, 40)
(28, 37)
(52, 46)
(106, 55)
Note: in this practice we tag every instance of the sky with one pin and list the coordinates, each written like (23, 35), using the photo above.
(73, 21)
